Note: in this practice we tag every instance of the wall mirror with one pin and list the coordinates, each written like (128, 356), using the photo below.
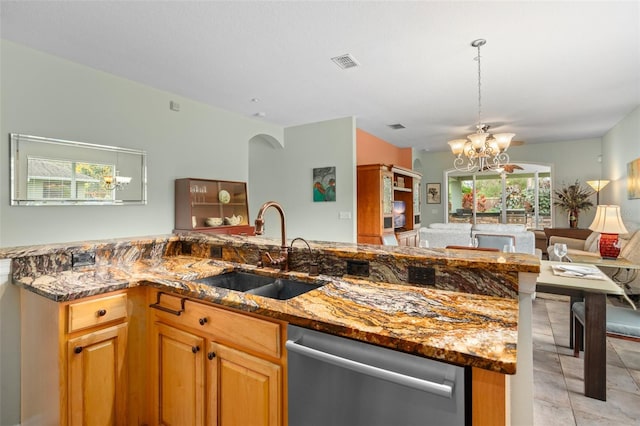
(47, 171)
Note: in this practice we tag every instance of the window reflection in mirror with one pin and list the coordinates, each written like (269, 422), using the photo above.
(47, 171)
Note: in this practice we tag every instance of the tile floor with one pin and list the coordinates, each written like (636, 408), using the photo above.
(558, 376)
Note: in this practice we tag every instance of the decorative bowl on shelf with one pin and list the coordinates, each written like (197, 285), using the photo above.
(213, 221)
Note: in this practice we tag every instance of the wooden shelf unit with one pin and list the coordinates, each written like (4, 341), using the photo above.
(199, 199)
(379, 186)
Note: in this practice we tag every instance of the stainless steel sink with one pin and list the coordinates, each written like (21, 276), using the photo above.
(260, 285)
(239, 281)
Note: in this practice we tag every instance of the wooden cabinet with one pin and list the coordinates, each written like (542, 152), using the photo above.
(246, 388)
(216, 206)
(97, 377)
(388, 202)
(180, 375)
(77, 358)
(213, 366)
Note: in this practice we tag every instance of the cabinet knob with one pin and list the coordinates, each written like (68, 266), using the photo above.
(102, 312)
(195, 349)
(77, 349)
(203, 321)
(211, 355)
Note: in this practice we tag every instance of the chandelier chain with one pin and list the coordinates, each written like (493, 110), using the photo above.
(479, 91)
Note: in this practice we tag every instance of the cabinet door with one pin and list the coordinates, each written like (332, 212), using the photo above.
(247, 389)
(179, 370)
(97, 377)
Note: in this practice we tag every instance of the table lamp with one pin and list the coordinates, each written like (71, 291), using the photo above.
(609, 224)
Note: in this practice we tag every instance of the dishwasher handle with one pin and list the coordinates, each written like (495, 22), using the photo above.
(441, 389)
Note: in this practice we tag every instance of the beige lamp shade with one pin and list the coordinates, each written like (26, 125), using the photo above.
(503, 140)
(457, 146)
(597, 185)
(608, 220)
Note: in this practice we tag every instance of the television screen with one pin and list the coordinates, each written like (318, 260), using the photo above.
(399, 219)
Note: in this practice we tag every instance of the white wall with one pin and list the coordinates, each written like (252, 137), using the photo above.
(285, 174)
(620, 146)
(44, 95)
(568, 160)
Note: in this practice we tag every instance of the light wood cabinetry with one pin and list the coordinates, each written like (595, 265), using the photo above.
(76, 354)
(388, 202)
(97, 377)
(246, 388)
(179, 369)
(213, 366)
(215, 206)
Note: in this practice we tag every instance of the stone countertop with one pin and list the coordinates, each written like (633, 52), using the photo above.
(464, 329)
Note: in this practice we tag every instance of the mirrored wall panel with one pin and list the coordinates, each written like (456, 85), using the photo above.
(47, 171)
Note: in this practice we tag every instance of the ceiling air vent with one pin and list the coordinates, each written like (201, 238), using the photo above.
(345, 61)
(396, 126)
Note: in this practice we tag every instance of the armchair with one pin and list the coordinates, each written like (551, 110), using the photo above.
(588, 247)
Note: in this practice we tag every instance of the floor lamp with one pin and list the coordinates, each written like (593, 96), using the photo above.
(597, 186)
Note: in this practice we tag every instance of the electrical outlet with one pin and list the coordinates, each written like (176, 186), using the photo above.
(215, 252)
(358, 268)
(186, 247)
(85, 258)
(421, 275)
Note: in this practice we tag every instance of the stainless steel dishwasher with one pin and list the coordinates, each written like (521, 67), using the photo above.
(334, 381)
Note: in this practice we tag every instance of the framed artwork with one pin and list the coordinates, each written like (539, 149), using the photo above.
(433, 193)
(633, 179)
(324, 184)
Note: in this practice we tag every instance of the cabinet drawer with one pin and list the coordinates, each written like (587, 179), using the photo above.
(95, 312)
(239, 330)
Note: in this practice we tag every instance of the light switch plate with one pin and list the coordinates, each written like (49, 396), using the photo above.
(345, 215)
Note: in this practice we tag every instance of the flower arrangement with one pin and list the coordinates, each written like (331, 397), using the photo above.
(573, 199)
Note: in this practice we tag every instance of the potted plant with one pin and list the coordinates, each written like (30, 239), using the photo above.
(573, 199)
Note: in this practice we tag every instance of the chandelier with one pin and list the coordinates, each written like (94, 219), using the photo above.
(481, 150)
(116, 182)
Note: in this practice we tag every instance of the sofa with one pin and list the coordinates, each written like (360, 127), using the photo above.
(441, 235)
(629, 249)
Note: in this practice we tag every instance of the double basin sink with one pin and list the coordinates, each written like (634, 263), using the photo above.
(271, 287)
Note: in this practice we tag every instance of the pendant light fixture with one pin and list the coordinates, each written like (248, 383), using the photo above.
(481, 150)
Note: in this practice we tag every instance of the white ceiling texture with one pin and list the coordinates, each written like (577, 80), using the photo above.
(551, 70)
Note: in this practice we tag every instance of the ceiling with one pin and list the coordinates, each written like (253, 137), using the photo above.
(551, 70)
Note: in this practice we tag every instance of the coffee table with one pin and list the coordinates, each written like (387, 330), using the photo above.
(594, 293)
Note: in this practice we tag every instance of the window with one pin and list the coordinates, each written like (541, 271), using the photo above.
(51, 179)
(523, 196)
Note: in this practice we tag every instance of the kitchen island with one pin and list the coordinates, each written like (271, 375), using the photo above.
(463, 328)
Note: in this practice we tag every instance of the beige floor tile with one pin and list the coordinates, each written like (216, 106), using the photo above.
(546, 361)
(594, 419)
(549, 414)
(620, 406)
(544, 342)
(550, 387)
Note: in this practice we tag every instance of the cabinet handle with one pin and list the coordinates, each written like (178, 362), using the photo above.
(203, 321)
(157, 305)
(211, 355)
(102, 312)
(195, 349)
(77, 349)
